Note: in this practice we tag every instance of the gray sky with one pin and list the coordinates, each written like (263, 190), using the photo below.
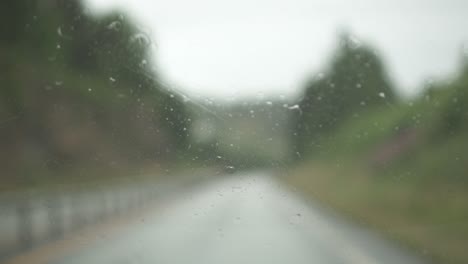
(239, 48)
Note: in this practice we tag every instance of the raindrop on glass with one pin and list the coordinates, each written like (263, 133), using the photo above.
(141, 39)
(294, 107)
(59, 31)
(354, 42)
(115, 25)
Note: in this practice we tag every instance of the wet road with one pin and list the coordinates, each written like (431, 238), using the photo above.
(248, 218)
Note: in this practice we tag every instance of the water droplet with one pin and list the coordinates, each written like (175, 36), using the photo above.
(115, 25)
(294, 107)
(354, 43)
(171, 95)
(112, 79)
(141, 39)
(381, 94)
(269, 103)
(185, 99)
(89, 89)
(358, 85)
(59, 31)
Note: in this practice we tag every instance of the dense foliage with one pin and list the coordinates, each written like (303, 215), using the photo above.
(79, 89)
(354, 80)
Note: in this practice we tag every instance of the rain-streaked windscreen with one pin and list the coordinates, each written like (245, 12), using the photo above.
(215, 131)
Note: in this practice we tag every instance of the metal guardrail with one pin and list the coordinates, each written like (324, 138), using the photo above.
(30, 218)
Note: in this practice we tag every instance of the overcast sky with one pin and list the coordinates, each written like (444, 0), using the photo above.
(239, 48)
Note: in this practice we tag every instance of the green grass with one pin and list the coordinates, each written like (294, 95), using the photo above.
(419, 198)
(431, 218)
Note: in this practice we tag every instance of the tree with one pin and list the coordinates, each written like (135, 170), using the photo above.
(355, 78)
(80, 89)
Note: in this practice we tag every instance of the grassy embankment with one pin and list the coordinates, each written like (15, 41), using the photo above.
(418, 197)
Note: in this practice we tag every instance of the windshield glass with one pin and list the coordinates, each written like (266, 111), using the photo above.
(285, 131)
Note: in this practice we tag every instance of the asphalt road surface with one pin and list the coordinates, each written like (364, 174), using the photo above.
(249, 218)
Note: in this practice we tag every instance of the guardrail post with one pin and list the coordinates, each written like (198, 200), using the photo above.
(24, 226)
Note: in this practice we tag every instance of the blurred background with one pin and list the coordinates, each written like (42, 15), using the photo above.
(360, 106)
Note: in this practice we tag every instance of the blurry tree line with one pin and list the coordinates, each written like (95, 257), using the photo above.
(351, 111)
(397, 164)
(78, 89)
(355, 79)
